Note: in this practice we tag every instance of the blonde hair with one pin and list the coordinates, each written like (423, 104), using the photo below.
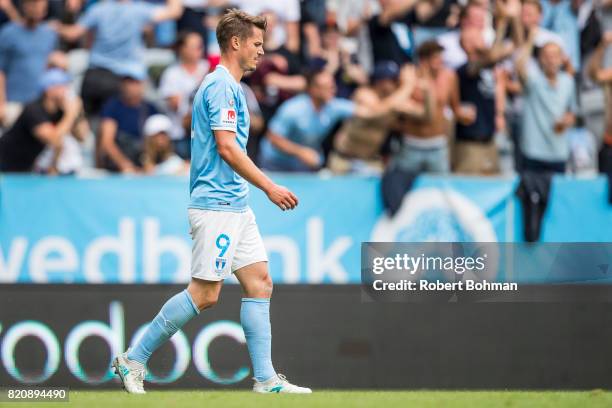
(152, 155)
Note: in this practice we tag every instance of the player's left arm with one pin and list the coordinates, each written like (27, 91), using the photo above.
(231, 153)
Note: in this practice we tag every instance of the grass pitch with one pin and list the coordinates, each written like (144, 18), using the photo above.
(337, 399)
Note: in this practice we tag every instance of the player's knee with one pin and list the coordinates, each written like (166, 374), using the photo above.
(206, 300)
(267, 284)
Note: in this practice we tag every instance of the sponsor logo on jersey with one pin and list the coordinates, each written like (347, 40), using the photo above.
(228, 117)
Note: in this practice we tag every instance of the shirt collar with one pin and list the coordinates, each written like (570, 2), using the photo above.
(226, 70)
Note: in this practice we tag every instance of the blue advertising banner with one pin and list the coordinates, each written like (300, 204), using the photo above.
(135, 230)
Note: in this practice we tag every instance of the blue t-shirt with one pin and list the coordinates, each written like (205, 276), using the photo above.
(544, 104)
(299, 121)
(130, 119)
(118, 44)
(23, 59)
(219, 104)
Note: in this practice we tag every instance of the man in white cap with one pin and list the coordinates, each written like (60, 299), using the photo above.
(159, 156)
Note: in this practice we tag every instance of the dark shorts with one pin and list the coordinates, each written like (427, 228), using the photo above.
(99, 84)
(543, 166)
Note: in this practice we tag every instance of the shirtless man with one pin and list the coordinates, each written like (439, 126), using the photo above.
(603, 75)
(425, 141)
(358, 143)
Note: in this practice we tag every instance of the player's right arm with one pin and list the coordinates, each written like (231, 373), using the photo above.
(220, 100)
(231, 153)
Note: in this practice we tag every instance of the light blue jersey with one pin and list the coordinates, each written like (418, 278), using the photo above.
(219, 104)
(298, 120)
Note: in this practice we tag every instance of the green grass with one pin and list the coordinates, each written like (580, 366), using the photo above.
(336, 399)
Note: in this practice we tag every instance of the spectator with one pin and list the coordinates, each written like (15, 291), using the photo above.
(194, 13)
(118, 47)
(358, 145)
(121, 126)
(158, 155)
(24, 48)
(75, 154)
(341, 63)
(178, 83)
(390, 32)
(8, 12)
(432, 18)
(287, 12)
(549, 107)
(257, 125)
(313, 19)
(163, 33)
(602, 74)
(425, 141)
(43, 122)
(70, 159)
(531, 18)
(352, 17)
(559, 17)
(481, 85)
(472, 16)
(296, 133)
(279, 75)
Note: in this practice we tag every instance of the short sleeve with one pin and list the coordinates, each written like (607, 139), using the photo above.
(342, 108)
(91, 18)
(282, 122)
(143, 12)
(33, 115)
(4, 48)
(221, 102)
(109, 110)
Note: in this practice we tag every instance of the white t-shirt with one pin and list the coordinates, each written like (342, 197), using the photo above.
(172, 166)
(177, 81)
(70, 159)
(453, 54)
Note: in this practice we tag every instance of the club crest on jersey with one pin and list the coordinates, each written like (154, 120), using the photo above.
(228, 117)
(220, 264)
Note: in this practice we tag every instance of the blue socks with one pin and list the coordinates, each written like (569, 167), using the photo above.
(255, 319)
(177, 311)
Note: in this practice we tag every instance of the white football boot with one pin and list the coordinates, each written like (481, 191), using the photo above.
(131, 373)
(279, 384)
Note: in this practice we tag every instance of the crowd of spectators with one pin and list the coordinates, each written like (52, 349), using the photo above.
(478, 87)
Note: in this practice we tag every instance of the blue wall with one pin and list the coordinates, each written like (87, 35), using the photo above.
(129, 230)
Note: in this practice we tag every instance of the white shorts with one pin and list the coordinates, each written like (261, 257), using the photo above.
(223, 242)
